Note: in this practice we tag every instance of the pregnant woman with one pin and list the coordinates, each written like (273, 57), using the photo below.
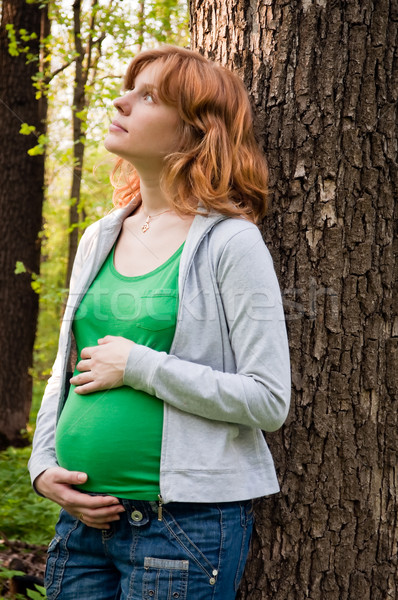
(173, 353)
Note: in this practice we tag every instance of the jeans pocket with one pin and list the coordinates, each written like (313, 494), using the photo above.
(52, 557)
(198, 533)
(58, 554)
(165, 578)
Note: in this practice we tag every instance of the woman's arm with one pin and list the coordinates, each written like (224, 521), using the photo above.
(48, 478)
(43, 448)
(57, 483)
(258, 394)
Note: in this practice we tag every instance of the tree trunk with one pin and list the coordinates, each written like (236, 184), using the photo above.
(85, 64)
(21, 198)
(79, 103)
(140, 26)
(323, 79)
(78, 157)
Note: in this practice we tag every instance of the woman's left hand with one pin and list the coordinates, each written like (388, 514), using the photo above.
(102, 367)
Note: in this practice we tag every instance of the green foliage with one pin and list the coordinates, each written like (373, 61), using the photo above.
(9, 573)
(166, 21)
(40, 147)
(35, 279)
(16, 41)
(23, 514)
(19, 268)
(37, 594)
(12, 40)
(27, 129)
(38, 284)
(42, 139)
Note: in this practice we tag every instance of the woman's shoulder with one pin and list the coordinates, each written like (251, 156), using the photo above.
(235, 240)
(111, 219)
(233, 233)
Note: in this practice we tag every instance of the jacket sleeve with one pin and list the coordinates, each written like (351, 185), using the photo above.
(258, 393)
(43, 448)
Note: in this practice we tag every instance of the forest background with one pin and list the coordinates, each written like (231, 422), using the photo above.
(323, 79)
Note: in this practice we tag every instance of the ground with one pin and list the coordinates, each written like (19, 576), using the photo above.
(19, 556)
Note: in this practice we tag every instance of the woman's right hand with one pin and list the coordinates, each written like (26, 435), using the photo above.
(94, 511)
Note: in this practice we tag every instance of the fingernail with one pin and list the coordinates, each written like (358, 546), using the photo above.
(82, 477)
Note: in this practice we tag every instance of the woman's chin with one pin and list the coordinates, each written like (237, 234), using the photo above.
(108, 143)
(112, 147)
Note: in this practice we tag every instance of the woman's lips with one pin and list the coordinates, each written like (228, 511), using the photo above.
(115, 126)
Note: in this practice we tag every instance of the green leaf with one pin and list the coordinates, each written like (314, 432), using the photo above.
(27, 129)
(36, 286)
(19, 268)
(82, 115)
(37, 595)
(36, 150)
(9, 573)
(12, 40)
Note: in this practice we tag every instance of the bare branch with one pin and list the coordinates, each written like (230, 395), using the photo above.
(57, 71)
(100, 39)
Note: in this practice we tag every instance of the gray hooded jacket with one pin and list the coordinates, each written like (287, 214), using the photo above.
(226, 377)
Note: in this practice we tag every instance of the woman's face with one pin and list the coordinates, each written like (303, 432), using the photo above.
(145, 129)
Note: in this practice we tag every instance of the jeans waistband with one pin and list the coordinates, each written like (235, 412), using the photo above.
(139, 512)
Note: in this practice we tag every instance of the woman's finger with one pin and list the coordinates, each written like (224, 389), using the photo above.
(87, 352)
(82, 378)
(84, 365)
(87, 388)
(99, 517)
(106, 339)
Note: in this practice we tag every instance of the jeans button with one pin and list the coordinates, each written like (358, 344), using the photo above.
(136, 515)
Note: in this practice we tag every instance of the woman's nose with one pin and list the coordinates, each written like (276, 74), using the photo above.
(122, 105)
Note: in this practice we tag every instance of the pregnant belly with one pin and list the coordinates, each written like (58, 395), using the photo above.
(115, 437)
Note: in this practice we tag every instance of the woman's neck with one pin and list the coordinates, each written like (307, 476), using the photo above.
(153, 198)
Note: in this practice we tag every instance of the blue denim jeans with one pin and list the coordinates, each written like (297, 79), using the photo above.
(196, 552)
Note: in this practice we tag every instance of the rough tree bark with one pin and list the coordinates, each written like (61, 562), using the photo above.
(21, 198)
(323, 76)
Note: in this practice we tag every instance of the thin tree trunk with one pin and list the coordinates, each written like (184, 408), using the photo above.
(140, 26)
(79, 103)
(21, 198)
(323, 79)
(86, 65)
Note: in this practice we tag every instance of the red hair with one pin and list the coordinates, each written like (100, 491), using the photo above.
(218, 164)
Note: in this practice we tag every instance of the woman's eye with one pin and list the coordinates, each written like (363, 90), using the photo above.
(148, 98)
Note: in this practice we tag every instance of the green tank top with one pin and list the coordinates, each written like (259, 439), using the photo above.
(115, 435)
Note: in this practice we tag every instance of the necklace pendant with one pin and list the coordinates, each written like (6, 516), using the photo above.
(145, 226)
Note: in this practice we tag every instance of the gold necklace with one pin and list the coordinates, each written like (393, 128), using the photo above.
(145, 226)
